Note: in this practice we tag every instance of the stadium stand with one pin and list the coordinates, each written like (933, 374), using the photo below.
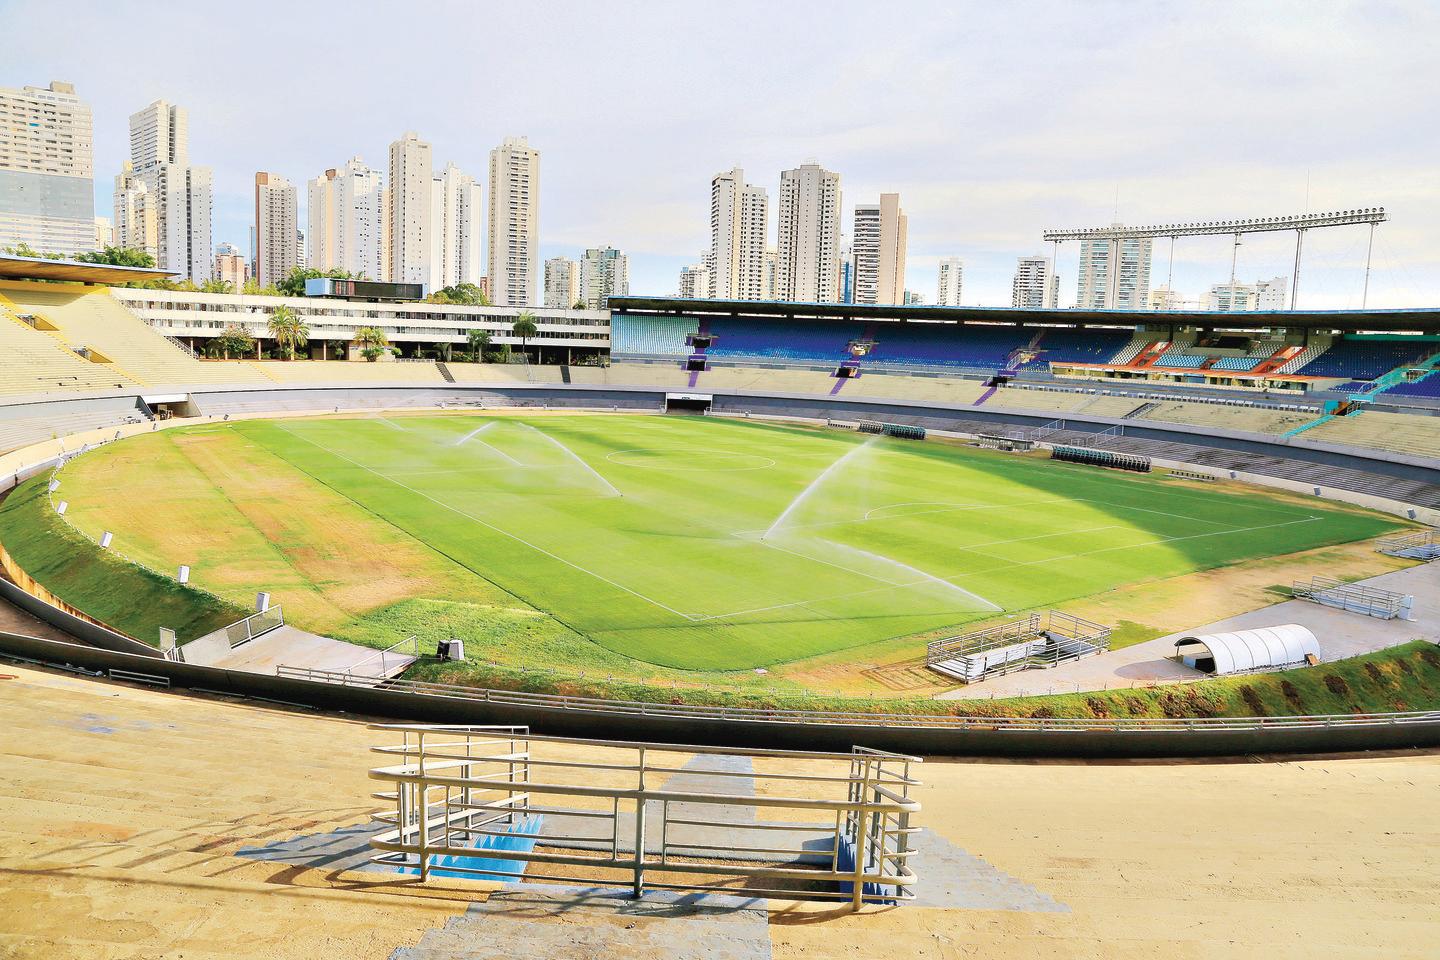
(1252, 419)
(1131, 350)
(796, 341)
(89, 318)
(1428, 386)
(1094, 345)
(36, 363)
(27, 423)
(653, 336)
(341, 371)
(1402, 433)
(1361, 358)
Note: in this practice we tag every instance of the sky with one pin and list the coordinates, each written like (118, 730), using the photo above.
(993, 121)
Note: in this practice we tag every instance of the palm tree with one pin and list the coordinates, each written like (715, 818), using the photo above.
(288, 330)
(372, 342)
(525, 328)
(479, 341)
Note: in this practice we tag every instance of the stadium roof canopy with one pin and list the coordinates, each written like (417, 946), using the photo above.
(77, 271)
(1411, 320)
(1247, 650)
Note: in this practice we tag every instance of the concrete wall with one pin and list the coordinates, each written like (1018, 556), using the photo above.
(991, 739)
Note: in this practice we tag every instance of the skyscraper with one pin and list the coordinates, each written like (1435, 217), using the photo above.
(182, 195)
(230, 266)
(1036, 286)
(808, 235)
(952, 279)
(879, 250)
(277, 251)
(562, 282)
(456, 228)
(1106, 284)
(604, 273)
(695, 282)
(513, 238)
(739, 219)
(137, 213)
(411, 213)
(47, 169)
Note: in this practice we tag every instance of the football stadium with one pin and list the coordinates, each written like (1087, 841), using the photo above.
(713, 628)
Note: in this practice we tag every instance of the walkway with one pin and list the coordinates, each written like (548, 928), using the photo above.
(296, 648)
(1340, 634)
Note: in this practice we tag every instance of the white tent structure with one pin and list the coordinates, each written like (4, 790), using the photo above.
(1246, 651)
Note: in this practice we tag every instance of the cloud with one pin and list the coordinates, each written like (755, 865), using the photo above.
(993, 121)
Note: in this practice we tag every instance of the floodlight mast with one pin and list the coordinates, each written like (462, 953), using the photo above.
(1364, 216)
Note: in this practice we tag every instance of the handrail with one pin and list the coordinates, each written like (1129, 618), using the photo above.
(462, 786)
(876, 719)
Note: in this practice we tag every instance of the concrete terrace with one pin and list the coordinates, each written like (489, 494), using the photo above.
(126, 809)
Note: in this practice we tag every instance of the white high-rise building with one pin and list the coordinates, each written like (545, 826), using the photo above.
(182, 196)
(1105, 285)
(695, 282)
(231, 266)
(1036, 286)
(513, 237)
(562, 282)
(1273, 294)
(952, 279)
(1163, 298)
(456, 235)
(739, 221)
(1260, 295)
(47, 169)
(808, 235)
(604, 273)
(878, 246)
(277, 251)
(137, 213)
(411, 215)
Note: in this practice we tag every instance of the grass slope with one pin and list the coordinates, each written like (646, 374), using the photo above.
(130, 598)
(1398, 679)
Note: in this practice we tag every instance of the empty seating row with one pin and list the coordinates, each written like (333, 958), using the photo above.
(89, 318)
(345, 371)
(1402, 433)
(1252, 419)
(24, 424)
(36, 363)
(1365, 358)
(651, 336)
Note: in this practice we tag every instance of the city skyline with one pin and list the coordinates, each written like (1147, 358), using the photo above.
(974, 186)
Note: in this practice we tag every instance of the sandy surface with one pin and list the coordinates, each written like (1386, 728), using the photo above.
(124, 807)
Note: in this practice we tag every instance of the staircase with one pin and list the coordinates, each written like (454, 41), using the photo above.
(1140, 411)
(1308, 426)
(445, 371)
(1148, 355)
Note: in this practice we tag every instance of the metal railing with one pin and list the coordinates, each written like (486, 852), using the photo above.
(1423, 545)
(255, 625)
(1354, 597)
(1040, 640)
(386, 660)
(874, 718)
(497, 802)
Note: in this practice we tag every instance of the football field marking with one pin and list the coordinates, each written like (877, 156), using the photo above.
(490, 526)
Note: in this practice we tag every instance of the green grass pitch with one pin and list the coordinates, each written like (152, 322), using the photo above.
(710, 544)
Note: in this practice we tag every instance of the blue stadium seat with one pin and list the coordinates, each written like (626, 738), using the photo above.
(1366, 359)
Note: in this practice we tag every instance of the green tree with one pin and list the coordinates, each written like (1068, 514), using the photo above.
(118, 257)
(464, 294)
(479, 341)
(288, 330)
(294, 285)
(25, 250)
(252, 288)
(372, 342)
(215, 285)
(234, 340)
(525, 328)
(578, 305)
